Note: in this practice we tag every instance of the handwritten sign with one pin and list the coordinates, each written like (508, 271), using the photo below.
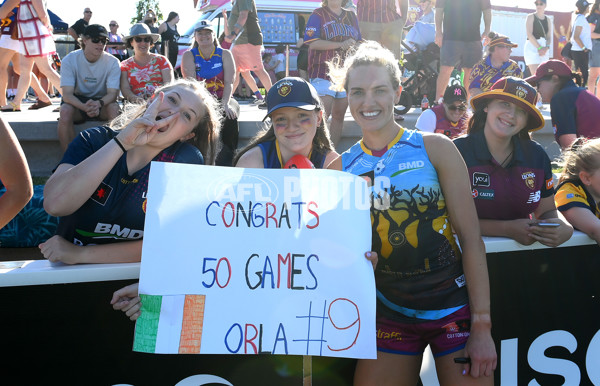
(254, 261)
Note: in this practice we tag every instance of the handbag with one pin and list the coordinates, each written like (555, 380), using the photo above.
(566, 51)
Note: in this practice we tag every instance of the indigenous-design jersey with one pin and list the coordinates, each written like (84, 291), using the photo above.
(419, 274)
(511, 192)
(272, 156)
(571, 194)
(117, 209)
(484, 75)
(210, 70)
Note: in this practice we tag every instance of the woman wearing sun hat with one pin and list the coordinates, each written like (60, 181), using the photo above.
(497, 64)
(510, 174)
(144, 72)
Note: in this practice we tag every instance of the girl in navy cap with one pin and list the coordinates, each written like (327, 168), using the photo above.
(511, 176)
(420, 193)
(297, 127)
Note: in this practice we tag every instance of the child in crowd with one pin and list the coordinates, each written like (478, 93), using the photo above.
(424, 282)
(297, 127)
(279, 62)
(510, 174)
(269, 64)
(578, 191)
(99, 187)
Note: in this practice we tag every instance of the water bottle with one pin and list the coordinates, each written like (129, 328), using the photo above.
(424, 103)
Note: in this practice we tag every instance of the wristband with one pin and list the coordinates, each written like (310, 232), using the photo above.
(120, 144)
(239, 27)
(101, 103)
(540, 48)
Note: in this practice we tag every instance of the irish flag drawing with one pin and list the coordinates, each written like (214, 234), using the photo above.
(170, 324)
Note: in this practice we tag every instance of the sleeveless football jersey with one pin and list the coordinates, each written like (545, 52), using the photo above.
(419, 274)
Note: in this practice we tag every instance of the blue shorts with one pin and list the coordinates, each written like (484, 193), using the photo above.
(444, 336)
(323, 87)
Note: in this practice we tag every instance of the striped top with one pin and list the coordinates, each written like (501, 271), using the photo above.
(377, 11)
(325, 25)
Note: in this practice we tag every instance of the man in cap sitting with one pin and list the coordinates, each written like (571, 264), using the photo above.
(90, 80)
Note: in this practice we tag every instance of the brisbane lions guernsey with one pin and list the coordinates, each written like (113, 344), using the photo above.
(419, 275)
(117, 209)
(511, 192)
(325, 25)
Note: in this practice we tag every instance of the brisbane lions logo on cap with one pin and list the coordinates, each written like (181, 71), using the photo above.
(521, 92)
(284, 88)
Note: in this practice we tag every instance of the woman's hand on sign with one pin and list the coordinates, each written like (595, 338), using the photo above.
(127, 300)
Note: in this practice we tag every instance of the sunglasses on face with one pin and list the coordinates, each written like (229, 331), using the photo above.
(99, 40)
(461, 107)
(540, 4)
(113, 25)
(145, 40)
(87, 12)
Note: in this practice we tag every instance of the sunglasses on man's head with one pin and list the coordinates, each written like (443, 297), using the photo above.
(145, 40)
(99, 40)
(461, 107)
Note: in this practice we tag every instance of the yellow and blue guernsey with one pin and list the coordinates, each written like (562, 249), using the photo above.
(419, 275)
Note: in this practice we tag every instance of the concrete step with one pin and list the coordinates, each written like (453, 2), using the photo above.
(36, 131)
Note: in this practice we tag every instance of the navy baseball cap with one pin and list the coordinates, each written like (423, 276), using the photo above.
(292, 92)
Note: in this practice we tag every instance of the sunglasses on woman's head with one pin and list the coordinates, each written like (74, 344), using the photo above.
(461, 107)
(99, 40)
(145, 40)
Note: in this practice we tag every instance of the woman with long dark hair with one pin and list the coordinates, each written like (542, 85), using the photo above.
(169, 37)
(511, 176)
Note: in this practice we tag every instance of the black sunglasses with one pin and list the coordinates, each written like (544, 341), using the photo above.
(113, 25)
(145, 40)
(99, 40)
(461, 107)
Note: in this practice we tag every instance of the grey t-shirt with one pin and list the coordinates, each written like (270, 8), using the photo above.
(90, 79)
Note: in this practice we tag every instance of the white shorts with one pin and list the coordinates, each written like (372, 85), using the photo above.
(531, 53)
(7, 43)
